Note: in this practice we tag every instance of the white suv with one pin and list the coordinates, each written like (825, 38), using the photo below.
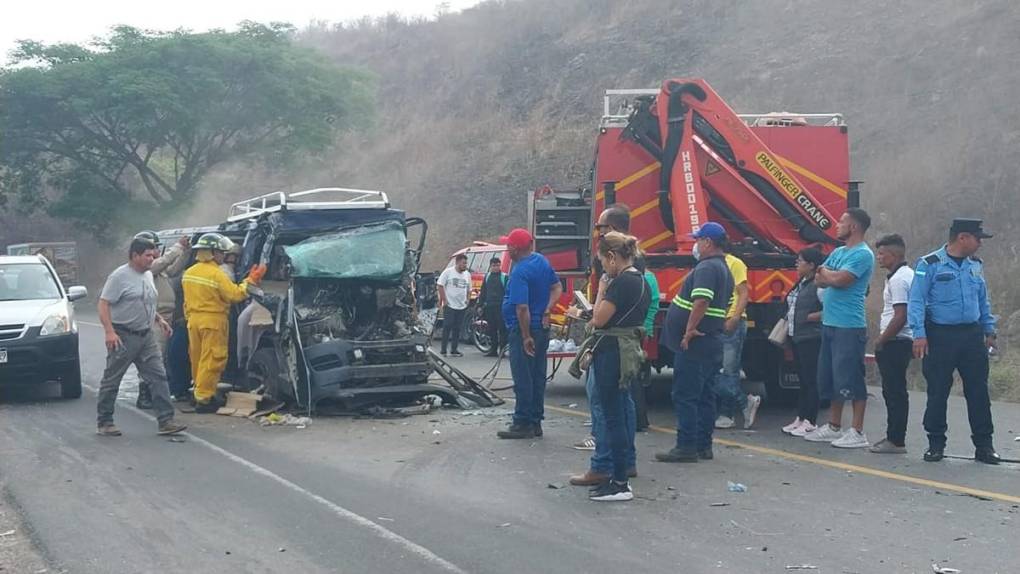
(38, 333)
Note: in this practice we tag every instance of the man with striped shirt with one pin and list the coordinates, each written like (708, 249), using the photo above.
(694, 324)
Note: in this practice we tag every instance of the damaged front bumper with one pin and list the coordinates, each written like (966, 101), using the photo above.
(345, 369)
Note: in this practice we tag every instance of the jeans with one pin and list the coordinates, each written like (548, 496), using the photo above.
(805, 354)
(694, 399)
(731, 398)
(143, 352)
(602, 458)
(960, 348)
(452, 321)
(529, 373)
(893, 359)
(178, 363)
(612, 400)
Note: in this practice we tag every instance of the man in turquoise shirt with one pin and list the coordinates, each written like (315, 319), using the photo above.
(844, 276)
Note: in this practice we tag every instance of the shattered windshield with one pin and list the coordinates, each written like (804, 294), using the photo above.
(369, 252)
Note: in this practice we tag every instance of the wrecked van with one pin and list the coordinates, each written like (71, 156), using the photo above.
(336, 317)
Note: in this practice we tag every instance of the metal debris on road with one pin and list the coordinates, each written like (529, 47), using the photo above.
(940, 570)
(720, 504)
(735, 487)
(8, 533)
(801, 567)
(556, 485)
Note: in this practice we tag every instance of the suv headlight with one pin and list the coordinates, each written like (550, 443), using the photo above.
(55, 325)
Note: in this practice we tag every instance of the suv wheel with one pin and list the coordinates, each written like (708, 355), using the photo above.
(70, 383)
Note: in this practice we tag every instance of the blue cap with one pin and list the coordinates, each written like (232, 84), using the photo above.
(711, 230)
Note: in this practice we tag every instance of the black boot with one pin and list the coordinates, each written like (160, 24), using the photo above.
(517, 431)
(987, 455)
(144, 401)
(677, 455)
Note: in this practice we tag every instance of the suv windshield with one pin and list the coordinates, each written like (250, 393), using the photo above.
(27, 281)
(369, 252)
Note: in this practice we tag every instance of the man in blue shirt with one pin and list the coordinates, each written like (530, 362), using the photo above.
(844, 276)
(531, 291)
(953, 328)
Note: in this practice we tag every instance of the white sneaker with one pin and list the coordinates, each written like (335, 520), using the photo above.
(751, 410)
(852, 439)
(824, 433)
(790, 427)
(804, 428)
(724, 423)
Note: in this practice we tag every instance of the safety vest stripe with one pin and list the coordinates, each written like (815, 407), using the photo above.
(199, 281)
(921, 273)
(688, 305)
(682, 303)
(702, 292)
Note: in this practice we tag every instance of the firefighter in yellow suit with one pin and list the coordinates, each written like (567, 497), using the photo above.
(208, 295)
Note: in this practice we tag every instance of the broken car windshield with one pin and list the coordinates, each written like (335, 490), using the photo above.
(370, 252)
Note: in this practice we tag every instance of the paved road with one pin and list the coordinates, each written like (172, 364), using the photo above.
(438, 493)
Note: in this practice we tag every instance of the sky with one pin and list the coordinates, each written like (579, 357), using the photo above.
(79, 21)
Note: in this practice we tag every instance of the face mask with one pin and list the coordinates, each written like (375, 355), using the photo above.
(696, 252)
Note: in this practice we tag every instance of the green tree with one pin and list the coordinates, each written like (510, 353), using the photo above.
(87, 130)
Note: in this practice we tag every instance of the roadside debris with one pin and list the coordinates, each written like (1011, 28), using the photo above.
(240, 404)
(556, 485)
(940, 570)
(717, 504)
(735, 487)
(801, 567)
(275, 419)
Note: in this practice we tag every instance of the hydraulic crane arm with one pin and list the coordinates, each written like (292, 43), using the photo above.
(708, 155)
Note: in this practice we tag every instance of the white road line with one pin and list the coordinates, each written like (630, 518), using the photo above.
(418, 550)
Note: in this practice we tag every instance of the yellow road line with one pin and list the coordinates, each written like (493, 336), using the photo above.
(812, 176)
(835, 464)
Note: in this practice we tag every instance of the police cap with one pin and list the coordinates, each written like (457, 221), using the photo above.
(972, 226)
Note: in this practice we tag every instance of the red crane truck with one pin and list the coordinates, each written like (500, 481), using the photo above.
(679, 156)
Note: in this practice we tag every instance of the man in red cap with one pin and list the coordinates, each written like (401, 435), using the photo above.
(531, 291)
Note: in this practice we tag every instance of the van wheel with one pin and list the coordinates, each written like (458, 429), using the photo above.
(70, 383)
(264, 369)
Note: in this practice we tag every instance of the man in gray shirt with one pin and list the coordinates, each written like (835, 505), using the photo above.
(127, 310)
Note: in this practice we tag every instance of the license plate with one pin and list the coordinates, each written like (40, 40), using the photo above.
(3, 355)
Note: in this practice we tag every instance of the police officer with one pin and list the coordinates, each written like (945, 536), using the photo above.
(953, 327)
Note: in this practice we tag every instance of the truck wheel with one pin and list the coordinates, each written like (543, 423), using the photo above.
(264, 369)
(70, 383)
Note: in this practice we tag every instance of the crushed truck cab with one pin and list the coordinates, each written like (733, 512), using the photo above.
(336, 316)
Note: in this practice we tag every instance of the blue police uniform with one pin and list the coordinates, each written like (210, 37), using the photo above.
(949, 307)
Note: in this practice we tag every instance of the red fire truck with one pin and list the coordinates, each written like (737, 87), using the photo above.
(678, 156)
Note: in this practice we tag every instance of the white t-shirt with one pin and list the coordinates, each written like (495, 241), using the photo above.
(897, 292)
(457, 285)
